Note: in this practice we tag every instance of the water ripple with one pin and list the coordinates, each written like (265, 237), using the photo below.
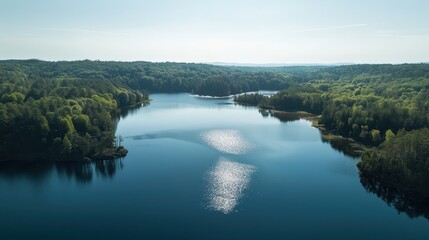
(227, 141)
(227, 182)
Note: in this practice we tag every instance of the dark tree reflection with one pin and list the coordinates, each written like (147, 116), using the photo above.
(265, 113)
(81, 172)
(35, 172)
(403, 200)
(108, 168)
(74, 171)
(124, 112)
(284, 116)
(344, 146)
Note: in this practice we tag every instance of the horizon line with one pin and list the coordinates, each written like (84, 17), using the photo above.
(226, 64)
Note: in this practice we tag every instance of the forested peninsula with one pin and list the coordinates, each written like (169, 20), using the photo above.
(60, 111)
(66, 110)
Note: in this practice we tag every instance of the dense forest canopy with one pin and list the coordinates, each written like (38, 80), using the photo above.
(50, 111)
(402, 158)
(200, 79)
(358, 101)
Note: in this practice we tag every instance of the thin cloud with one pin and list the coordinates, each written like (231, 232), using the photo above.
(77, 30)
(320, 29)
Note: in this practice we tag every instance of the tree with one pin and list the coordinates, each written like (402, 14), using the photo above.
(118, 140)
(67, 146)
(375, 136)
(123, 99)
(389, 136)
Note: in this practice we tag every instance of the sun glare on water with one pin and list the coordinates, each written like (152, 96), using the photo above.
(227, 141)
(227, 182)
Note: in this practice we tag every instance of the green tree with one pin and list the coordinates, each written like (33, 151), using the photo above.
(389, 136)
(375, 136)
(66, 146)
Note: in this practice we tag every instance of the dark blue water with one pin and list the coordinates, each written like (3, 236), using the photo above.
(202, 169)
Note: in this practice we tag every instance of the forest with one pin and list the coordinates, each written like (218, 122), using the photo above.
(364, 102)
(48, 112)
(66, 110)
(385, 107)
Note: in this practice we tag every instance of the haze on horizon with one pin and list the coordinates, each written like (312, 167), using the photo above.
(254, 32)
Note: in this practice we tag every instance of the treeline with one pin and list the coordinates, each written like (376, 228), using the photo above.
(360, 101)
(201, 79)
(46, 112)
(294, 98)
(403, 159)
(371, 104)
(367, 101)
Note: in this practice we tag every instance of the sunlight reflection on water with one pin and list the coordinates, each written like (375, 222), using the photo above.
(227, 182)
(227, 141)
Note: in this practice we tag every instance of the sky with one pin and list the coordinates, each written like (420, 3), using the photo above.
(230, 31)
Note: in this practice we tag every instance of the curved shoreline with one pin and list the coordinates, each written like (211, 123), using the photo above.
(347, 145)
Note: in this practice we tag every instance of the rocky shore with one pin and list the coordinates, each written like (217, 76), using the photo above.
(108, 154)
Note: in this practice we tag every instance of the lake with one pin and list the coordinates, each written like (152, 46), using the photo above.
(201, 168)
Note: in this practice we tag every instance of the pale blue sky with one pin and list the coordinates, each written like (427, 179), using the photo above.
(266, 31)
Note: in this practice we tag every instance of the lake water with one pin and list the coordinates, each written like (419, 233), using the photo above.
(202, 168)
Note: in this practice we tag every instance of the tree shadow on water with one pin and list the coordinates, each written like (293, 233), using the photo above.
(35, 172)
(404, 201)
(342, 145)
(85, 172)
(40, 171)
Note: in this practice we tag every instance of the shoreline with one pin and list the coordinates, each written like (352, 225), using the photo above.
(356, 149)
(108, 154)
(347, 145)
